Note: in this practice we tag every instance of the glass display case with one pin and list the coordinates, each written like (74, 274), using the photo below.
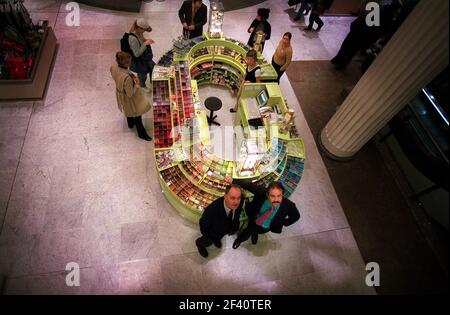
(215, 19)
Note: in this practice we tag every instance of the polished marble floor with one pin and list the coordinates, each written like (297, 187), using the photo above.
(76, 185)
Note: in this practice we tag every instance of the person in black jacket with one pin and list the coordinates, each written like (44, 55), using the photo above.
(318, 8)
(260, 24)
(219, 218)
(305, 8)
(193, 15)
(268, 211)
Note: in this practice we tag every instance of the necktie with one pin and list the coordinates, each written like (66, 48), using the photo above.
(230, 216)
(262, 218)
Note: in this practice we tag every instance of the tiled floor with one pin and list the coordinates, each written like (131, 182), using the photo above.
(77, 185)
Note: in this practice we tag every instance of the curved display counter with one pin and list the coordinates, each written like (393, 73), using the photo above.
(190, 174)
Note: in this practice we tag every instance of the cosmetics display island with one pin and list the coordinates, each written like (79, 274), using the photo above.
(191, 175)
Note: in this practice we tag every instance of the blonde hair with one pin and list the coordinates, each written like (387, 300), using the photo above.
(123, 59)
(134, 27)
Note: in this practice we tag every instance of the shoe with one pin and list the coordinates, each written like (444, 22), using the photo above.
(236, 244)
(297, 17)
(142, 133)
(307, 29)
(318, 29)
(254, 239)
(218, 244)
(202, 251)
(232, 110)
(145, 137)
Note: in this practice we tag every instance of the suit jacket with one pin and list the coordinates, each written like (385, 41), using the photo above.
(200, 18)
(214, 223)
(286, 215)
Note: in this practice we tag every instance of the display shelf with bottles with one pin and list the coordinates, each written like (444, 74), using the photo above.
(185, 190)
(162, 116)
(292, 174)
(273, 157)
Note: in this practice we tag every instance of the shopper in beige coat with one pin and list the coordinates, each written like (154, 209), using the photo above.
(131, 98)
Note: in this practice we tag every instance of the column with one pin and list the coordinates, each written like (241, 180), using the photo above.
(414, 56)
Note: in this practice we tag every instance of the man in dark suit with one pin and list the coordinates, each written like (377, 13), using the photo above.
(268, 211)
(219, 218)
(193, 15)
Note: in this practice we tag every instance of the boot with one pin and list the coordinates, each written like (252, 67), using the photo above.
(255, 238)
(142, 133)
(130, 121)
(202, 251)
(236, 243)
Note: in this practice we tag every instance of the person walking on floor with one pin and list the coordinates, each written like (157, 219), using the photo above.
(221, 217)
(141, 49)
(283, 55)
(131, 98)
(305, 8)
(268, 211)
(318, 8)
(260, 25)
(193, 15)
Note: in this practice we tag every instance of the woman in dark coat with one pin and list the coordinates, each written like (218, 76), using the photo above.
(260, 24)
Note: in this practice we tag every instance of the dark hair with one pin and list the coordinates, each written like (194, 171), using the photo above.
(263, 13)
(227, 190)
(274, 185)
(288, 34)
(195, 1)
(252, 54)
(123, 59)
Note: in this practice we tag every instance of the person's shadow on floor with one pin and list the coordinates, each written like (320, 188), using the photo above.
(291, 13)
(263, 246)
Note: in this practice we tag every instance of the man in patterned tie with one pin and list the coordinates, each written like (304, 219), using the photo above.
(268, 211)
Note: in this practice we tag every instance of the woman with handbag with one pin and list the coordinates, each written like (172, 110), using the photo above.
(131, 98)
(260, 27)
(142, 62)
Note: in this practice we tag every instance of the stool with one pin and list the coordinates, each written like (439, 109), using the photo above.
(213, 104)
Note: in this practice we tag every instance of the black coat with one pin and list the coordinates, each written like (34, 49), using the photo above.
(286, 215)
(200, 18)
(267, 29)
(214, 223)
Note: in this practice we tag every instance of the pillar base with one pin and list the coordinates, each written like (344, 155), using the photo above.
(328, 153)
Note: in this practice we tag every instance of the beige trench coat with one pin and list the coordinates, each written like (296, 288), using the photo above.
(131, 98)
